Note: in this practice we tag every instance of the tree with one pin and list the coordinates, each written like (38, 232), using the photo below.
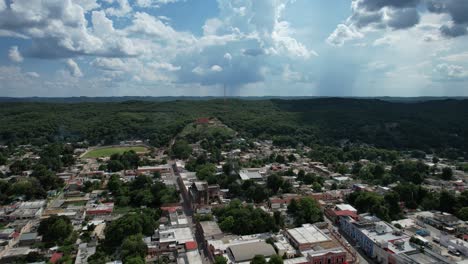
(3, 159)
(392, 200)
(275, 259)
(181, 149)
(220, 260)
(135, 260)
(274, 182)
(258, 259)
(317, 187)
(280, 159)
(306, 210)
(447, 202)
(55, 229)
(133, 246)
(447, 174)
(130, 224)
(293, 207)
(228, 224)
(115, 165)
(98, 258)
(463, 213)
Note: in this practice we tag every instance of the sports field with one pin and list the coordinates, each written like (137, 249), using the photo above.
(107, 152)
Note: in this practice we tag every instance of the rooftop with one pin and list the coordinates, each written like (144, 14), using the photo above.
(308, 234)
(245, 252)
(210, 228)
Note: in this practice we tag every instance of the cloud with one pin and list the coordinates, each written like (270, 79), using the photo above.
(14, 54)
(372, 15)
(123, 8)
(450, 72)
(216, 68)
(459, 57)
(73, 68)
(59, 29)
(155, 3)
(458, 11)
(33, 74)
(342, 34)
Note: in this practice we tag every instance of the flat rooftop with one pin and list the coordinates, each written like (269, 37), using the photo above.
(308, 234)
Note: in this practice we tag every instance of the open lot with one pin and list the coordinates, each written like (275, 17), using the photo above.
(108, 151)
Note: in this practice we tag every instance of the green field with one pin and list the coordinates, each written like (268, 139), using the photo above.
(107, 152)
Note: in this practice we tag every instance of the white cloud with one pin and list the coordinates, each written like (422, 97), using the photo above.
(14, 54)
(216, 68)
(459, 57)
(451, 72)
(342, 34)
(33, 74)
(87, 5)
(123, 8)
(154, 3)
(73, 68)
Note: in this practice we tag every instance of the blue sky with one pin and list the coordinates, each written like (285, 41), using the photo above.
(58, 48)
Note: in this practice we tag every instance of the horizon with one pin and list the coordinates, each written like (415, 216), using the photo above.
(262, 48)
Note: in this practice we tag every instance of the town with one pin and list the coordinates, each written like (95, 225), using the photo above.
(211, 196)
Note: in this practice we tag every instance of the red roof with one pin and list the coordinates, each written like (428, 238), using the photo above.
(171, 209)
(191, 245)
(203, 120)
(55, 257)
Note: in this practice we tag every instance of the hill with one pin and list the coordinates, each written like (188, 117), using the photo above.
(438, 124)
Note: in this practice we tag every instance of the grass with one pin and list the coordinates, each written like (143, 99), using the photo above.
(107, 152)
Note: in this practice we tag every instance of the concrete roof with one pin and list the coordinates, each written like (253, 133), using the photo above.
(249, 175)
(210, 228)
(308, 234)
(247, 251)
(343, 207)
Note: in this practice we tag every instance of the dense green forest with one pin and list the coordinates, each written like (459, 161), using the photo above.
(440, 125)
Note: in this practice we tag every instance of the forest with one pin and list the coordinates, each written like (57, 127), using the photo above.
(439, 126)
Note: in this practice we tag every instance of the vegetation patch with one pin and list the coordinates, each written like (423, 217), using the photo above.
(109, 151)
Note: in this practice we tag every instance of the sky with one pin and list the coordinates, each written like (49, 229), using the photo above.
(63, 48)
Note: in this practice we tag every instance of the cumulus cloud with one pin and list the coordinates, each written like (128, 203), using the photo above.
(14, 54)
(60, 29)
(450, 72)
(458, 11)
(342, 34)
(73, 68)
(371, 15)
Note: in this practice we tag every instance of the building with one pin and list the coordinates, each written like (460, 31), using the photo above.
(203, 194)
(247, 251)
(27, 210)
(207, 230)
(28, 239)
(100, 209)
(250, 174)
(152, 169)
(169, 240)
(307, 237)
(385, 244)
